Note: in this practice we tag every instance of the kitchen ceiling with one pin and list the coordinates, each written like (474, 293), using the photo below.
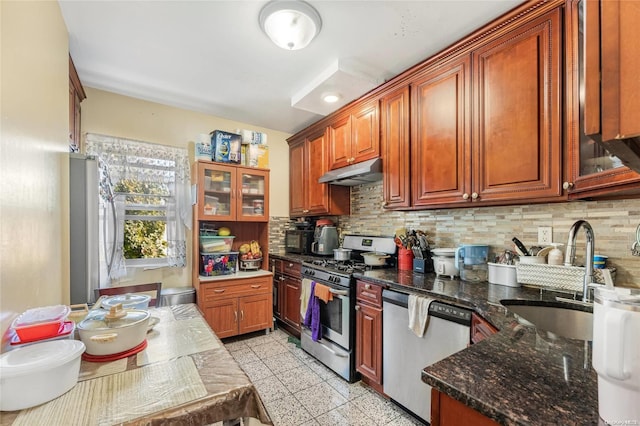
(212, 56)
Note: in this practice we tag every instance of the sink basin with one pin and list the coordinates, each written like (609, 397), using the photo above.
(560, 319)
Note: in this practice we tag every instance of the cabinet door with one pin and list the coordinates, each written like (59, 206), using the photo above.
(277, 303)
(340, 143)
(592, 170)
(365, 133)
(253, 195)
(440, 142)
(255, 313)
(216, 192)
(297, 179)
(291, 301)
(369, 342)
(317, 193)
(222, 316)
(394, 124)
(517, 115)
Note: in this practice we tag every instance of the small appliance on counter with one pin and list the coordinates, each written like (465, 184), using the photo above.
(325, 238)
(616, 338)
(471, 261)
(299, 240)
(444, 262)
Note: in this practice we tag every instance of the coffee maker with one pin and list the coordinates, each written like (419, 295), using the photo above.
(325, 238)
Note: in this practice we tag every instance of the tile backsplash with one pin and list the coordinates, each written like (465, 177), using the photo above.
(614, 224)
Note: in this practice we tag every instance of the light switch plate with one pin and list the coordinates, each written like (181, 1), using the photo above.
(545, 235)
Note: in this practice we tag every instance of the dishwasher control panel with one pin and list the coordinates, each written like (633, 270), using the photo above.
(450, 312)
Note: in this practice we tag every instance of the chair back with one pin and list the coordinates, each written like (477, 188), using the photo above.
(156, 288)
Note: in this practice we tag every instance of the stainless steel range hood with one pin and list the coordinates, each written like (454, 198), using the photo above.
(356, 174)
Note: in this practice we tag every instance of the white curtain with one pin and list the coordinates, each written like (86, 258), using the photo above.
(151, 163)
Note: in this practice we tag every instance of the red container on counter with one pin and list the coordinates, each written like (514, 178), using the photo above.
(40, 323)
(405, 259)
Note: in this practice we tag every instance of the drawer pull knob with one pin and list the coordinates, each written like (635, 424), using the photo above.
(256, 286)
(219, 290)
(357, 308)
(291, 265)
(367, 286)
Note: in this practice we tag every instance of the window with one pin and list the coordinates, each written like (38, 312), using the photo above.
(146, 186)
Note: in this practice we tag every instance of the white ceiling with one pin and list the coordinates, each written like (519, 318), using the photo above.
(212, 57)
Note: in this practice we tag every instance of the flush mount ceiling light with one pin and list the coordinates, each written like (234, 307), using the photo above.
(290, 24)
(331, 97)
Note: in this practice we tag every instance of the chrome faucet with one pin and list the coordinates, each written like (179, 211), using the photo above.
(570, 255)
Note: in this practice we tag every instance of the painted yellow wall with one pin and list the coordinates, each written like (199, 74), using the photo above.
(34, 214)
(112, 114)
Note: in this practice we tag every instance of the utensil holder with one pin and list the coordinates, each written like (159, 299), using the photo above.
(405, 259)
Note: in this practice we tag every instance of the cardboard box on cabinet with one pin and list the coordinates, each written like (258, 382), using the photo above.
(226, 147)
(254, 155)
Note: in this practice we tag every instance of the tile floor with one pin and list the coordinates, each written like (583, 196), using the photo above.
(298, 390)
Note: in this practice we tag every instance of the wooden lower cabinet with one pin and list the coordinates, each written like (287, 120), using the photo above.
(290, 288)
(288, 283)
(446, 411)
(238, 306)
(480, 328)
(369, 333)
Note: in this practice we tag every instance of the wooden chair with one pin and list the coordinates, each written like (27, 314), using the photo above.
(136, 288)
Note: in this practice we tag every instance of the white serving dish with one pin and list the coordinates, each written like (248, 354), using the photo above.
(34, 374)
(502, 274)
(109, 337)
(533, 260)
(129, 301)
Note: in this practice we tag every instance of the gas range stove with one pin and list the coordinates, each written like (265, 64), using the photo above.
(340, 271)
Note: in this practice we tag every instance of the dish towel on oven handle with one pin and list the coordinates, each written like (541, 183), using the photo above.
(419, 313)
(305, 292)
(312, 316)
(323, 292)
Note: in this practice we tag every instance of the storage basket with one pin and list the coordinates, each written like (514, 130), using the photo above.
(215, 244)
(215, 264)
(568, 278)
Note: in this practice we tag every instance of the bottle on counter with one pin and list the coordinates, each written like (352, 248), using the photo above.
(555, 256)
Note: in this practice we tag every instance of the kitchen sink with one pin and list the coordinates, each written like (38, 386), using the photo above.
(557, 318)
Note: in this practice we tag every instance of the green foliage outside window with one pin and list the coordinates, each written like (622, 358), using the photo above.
(144, 237)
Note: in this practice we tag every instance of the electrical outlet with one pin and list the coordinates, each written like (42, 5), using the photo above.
(545, 234)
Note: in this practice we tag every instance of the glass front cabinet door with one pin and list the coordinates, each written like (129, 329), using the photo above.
(227, 193)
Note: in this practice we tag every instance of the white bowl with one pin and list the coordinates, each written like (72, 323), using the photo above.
(502, 274)
(529, 260)
(35, 374)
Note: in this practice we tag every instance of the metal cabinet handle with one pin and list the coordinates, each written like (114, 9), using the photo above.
(235, 315)
(474, 196)
(465, 196)
(339, 292)
(282, 278)
(256, 286)
(305, 211)
(357, 307)
(242, 315)
(567, 185)
(219, 290)
(367, 286)
(291, 265)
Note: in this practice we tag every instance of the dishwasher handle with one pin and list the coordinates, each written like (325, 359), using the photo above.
(396, 298)
(437, 309)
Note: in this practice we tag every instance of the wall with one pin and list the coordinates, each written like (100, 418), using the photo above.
(34, 224)
(614, 224)
(112, 114)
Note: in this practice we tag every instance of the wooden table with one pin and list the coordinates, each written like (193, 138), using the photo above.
(184, 376)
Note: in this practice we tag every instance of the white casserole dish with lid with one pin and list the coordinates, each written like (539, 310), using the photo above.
(108, 336)
(34, 374)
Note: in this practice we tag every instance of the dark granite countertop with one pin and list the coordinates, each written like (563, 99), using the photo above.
(518, 376)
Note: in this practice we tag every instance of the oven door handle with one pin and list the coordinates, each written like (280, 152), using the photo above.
(335, 353)
(339, 292)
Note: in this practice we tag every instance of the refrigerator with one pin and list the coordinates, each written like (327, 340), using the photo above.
(90, 206)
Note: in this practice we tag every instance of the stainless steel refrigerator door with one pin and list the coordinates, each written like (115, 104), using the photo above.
(84, 228)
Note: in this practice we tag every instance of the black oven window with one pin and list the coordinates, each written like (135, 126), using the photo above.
(331, 315)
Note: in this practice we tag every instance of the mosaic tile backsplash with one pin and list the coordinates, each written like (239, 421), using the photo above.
(614, 224)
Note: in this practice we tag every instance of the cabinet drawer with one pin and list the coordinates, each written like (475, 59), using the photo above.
(368, 292)
(291, 268)
(214, 291)
(480, 328)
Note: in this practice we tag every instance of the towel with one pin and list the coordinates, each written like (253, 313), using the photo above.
(312, 316)
(323, 293)
(305, 292)
(419, 313)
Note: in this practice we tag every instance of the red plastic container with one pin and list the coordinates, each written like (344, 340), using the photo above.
(40, 323)
(405, 259)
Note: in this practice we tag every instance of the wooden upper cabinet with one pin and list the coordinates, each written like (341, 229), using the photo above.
(76, 96)
(440, 142)
(307, 163)
(592, 169)
(354, 137)
(297, 178)
(395, 146)
(517, 144)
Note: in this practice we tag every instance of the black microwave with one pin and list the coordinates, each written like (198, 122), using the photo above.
(298, 241)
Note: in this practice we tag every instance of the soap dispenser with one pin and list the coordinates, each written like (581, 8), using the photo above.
(555, 256)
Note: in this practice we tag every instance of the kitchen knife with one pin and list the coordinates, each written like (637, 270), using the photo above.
(521, 247)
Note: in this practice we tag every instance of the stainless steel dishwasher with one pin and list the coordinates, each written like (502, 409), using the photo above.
(405, 354)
